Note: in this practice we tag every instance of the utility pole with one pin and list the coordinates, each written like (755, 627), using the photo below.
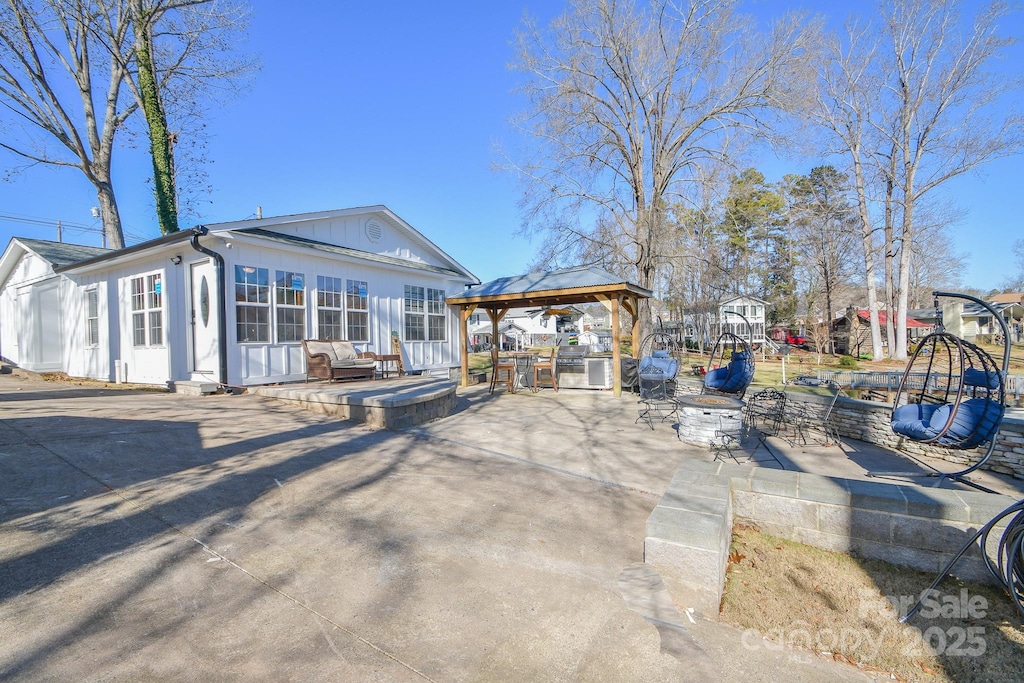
(59, 236)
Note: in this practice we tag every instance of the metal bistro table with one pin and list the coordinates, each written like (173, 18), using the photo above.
(523, 361)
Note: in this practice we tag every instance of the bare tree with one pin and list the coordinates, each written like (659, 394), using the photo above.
(68, 78)
(824, 232)
(48, 49)
(628, 99)
(917, 100)
(846, 101)
(186, 60)
(943, 90)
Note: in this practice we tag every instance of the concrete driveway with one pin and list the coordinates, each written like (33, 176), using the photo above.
(148, 536)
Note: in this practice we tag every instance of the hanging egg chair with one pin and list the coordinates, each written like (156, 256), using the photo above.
(659, 364)
(952, 393)
(732, 360)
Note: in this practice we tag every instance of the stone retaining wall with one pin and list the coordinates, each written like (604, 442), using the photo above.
(870, 421)
(690, 530)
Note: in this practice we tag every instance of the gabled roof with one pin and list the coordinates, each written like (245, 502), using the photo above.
(57, 254)
(61, 253)
(1007, 298)
(258, 229)
(972, 310)
(389, 216)
(734, 297)
(568, 285)
(307, 243)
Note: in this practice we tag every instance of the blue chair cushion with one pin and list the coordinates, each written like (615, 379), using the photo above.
(733, 378)
(914, 421)
(658, 368)
(980, 378)
(975, 422)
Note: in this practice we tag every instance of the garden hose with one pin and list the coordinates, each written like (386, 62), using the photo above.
(1008, 569)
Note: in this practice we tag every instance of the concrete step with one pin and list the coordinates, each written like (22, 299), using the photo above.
(190, 388)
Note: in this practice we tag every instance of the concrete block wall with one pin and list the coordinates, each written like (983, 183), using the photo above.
(690, 530)
(870, 421)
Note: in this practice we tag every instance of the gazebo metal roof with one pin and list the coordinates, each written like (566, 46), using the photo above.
(567, 286)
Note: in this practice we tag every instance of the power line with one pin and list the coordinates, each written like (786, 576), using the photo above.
(60, 224)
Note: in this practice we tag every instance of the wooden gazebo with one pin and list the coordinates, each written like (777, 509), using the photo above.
(553, 288)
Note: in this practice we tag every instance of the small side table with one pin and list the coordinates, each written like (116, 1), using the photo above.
(385, 369)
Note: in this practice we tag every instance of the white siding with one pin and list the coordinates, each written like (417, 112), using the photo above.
(258, 363)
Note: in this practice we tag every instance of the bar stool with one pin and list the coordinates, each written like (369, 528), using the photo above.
(550, 367)
(508, 367)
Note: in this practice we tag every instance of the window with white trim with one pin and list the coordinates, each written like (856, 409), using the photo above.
(415, 308)
(436, 315)
(290, 304)
(147, 310)
(92, 317)
(252, 304)
(357, 310)
(328, 307)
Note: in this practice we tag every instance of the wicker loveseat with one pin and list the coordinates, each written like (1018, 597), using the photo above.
(337, 360)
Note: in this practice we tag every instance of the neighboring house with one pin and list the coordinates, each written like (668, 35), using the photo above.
(706, 327)
(851, 333)
(1007, 298)
(231, 302)
(969, 320)
(595, 320)
(525, 327)
(753, 309)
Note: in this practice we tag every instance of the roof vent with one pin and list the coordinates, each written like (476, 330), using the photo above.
(374, 230)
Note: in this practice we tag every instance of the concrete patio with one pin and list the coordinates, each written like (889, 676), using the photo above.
(163, 537)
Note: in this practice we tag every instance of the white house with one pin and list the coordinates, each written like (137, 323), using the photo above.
(231, 302)
(751, 308)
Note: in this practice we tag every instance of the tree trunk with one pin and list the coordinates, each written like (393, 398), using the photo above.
(890, 253)
(869, 257)
(904, 280)
(108, 211)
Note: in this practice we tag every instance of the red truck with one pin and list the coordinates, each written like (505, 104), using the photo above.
(796, 339)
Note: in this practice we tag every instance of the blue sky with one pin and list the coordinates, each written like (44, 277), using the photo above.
(404, 104)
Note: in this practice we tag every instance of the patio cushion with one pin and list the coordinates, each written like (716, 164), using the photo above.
(344, 350)
(979, 378)
(974, 422)
(353, 363)
(912, 421)
(658, 368)
(734, 378)
(316, 347)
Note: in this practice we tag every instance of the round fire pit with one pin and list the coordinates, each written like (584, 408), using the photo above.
(707, 420)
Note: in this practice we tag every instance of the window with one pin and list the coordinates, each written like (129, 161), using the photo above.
(328, 307)
(154, 303)
(92, 317)
(415, 325)
(252, 304)
(147, 310)
(357, 303)
(436, 315)
(290, 297)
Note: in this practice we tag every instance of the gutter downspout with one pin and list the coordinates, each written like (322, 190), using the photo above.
(222, 321)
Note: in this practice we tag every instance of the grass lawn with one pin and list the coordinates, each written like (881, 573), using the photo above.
(835, 605)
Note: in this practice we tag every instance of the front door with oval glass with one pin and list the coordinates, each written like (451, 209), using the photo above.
(203, 283)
